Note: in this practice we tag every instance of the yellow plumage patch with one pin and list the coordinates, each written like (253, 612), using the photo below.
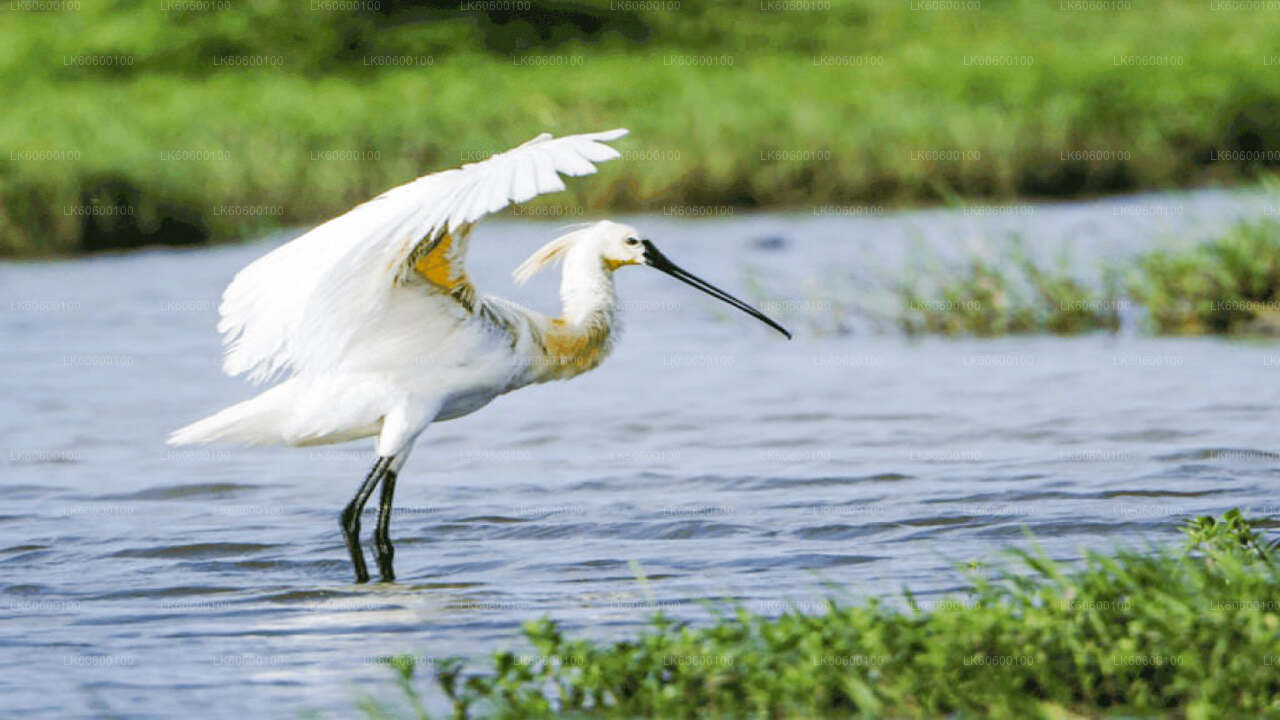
(568, 350)
(436, 265)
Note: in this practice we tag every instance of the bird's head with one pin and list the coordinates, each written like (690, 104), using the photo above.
(619, 245)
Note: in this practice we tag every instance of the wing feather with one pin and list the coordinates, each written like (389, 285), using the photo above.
(524, 178)
(297, 308)
(598, 152)
(547, 179)
(569, 161)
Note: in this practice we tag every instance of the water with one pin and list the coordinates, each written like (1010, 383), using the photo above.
(709, 457)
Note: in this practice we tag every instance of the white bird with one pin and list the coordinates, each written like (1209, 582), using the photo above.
(380, 333)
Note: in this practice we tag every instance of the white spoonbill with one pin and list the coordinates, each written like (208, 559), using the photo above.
(372, 318)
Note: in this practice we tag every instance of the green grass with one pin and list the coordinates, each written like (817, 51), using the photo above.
(1014, 294)
(170, 144)
(1229, 285)
(1193, 633)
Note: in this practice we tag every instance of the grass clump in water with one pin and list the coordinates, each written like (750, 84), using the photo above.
(1192, 633)
(987, 299)
(1228, 285)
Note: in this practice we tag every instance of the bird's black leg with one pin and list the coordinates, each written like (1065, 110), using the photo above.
(350, 518)
(382, 534)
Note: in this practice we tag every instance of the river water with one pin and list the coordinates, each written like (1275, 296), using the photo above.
(708, 459)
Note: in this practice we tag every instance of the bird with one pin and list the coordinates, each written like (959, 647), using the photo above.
(370, 327)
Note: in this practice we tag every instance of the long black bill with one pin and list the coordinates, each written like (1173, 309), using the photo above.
(658, 261)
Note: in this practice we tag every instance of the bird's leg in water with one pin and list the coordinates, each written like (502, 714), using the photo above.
(350, 518)
(382, 534)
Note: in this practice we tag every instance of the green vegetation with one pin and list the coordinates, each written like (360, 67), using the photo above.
(1193, 633)
(1023, 296)
(1230, 285)
(189, 121)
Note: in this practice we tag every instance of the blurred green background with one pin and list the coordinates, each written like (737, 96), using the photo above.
(132, 122)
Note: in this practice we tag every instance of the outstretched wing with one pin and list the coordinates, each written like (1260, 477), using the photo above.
(298, 307)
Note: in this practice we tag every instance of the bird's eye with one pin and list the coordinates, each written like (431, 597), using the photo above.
(632, 241)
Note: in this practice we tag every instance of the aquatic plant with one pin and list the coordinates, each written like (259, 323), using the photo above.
(1192, 633)
(1019, 295)
(1230, 284)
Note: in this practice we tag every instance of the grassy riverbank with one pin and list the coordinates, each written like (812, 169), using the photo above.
(1193, 633)
(194, 122)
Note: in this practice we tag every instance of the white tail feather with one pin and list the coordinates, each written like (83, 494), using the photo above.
(257, 421)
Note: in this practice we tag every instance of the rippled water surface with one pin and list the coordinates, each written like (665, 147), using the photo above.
(707, 456)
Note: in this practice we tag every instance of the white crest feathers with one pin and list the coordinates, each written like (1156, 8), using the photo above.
(547, 256)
